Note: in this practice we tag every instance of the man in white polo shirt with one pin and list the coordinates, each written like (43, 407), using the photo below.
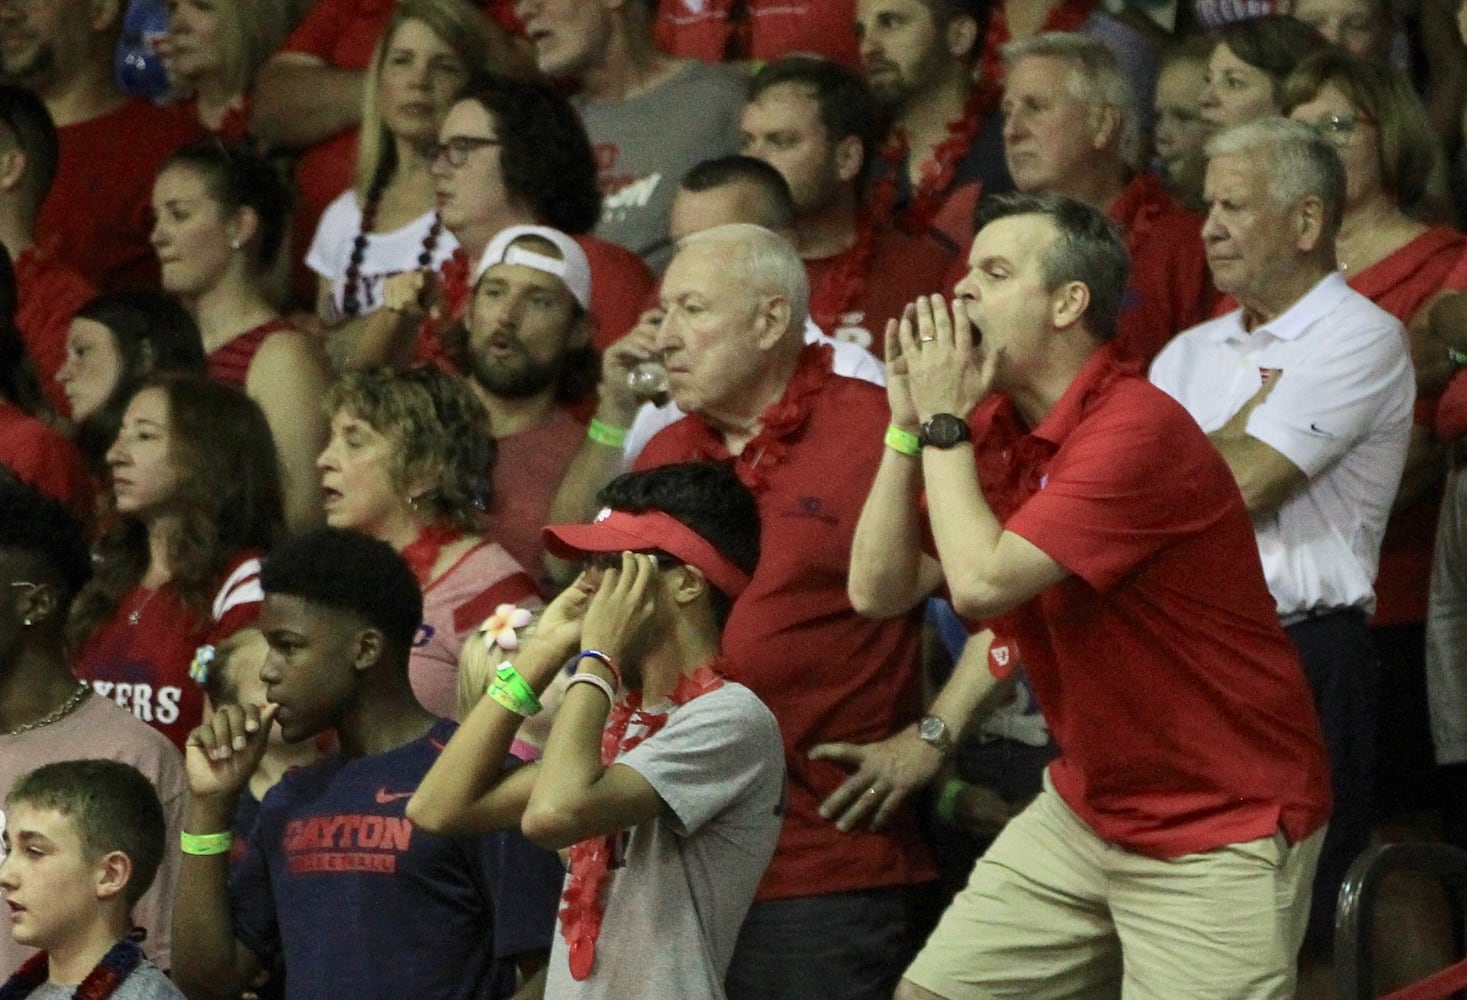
(1307, 391)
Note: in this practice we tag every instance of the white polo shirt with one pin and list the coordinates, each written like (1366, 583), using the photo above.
(1340, 411)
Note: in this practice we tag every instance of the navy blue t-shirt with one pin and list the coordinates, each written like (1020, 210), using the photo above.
(363, 904)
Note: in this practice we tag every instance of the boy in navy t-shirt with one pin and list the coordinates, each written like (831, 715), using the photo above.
(336, 879)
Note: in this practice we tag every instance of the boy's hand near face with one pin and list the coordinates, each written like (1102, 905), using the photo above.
(222, 753)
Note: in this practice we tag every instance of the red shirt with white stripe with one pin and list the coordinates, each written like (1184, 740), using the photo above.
(140, 658)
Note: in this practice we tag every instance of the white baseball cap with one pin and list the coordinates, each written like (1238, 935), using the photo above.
(573, 269)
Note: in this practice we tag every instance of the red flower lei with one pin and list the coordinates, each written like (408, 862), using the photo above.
(844, 284)
(453, 279)
(930, 185)
(422, 552)
(768, 449)
(1068, 16)
(580, 917)
(119, 962)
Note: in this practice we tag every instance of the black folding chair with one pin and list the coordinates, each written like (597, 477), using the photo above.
(1355, 919)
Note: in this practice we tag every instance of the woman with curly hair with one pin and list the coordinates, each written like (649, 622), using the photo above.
(386, 222)
(408, 463)
(195, 501)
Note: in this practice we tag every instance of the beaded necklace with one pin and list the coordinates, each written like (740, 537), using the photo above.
(580, 917)
(355, 289)
(119, 962)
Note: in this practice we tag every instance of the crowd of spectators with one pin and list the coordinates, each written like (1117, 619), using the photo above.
(345, 346)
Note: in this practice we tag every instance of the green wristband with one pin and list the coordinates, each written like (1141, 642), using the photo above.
(904, 442)
(948, 800)
(510, 690)
(204, 845)
(612, 437)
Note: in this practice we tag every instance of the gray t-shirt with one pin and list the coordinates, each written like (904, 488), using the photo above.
(684, 881)
(645, 144)
(145, 983)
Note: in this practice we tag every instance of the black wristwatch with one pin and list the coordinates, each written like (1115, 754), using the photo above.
(944, 430)
(934, 732)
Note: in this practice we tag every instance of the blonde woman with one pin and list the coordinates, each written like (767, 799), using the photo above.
(386, 223)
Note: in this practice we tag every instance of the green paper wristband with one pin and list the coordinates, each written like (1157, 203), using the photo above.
(612, 437)
(948, 800)
(510, 690)
(904, 442)
(204, 845)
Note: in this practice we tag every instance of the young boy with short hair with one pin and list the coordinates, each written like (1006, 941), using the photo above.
(83, 840)
(336, 883)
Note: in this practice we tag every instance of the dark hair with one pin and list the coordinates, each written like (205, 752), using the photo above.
(229, 499)
(349, 571)
(773, 189)
(1088, 248)
(111, 805)
(46, 536)
(1275, 44)
(26, 116)
(846, 105)
(17, 374)
(153, 333)
(544, 153)
(239, 179)
(707, 497)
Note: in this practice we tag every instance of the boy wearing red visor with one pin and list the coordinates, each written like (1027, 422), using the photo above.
(664, 779)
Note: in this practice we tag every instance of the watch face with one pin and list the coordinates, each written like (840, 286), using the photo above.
(932, 728)
(944, 430)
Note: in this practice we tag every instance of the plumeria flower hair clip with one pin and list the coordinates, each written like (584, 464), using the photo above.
(500, 629)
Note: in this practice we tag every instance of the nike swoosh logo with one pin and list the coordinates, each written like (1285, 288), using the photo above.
(384, 797)
(1320, 431)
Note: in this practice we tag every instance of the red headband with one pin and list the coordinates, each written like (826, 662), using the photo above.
(620, 531)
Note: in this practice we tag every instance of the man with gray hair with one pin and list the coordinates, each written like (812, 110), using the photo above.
(832, 917)
(1306, 389)
(1072, 126)
(1085, 519)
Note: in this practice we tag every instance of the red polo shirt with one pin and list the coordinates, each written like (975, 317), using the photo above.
(1171, 286)
(1182, 710)
(825, 672)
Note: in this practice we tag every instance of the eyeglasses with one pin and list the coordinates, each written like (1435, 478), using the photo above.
(457, 149)
(1338, 128)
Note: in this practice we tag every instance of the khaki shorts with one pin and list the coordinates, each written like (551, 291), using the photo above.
(1054, 911)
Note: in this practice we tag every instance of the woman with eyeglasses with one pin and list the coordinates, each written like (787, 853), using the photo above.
(386, 223)
(511, 153)
(220, 220)
(408, 463)
(194, 502)
(1391, 252)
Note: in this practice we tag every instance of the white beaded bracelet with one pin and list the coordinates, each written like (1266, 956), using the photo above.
(599, 683)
